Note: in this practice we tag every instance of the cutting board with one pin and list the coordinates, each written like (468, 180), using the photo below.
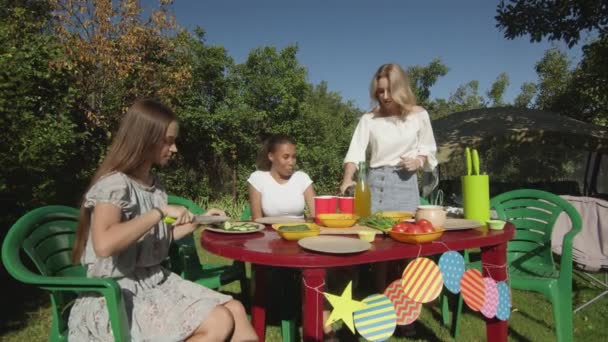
(460, 224)
(350, 230)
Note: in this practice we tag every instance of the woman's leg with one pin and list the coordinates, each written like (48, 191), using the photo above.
(218, 326)
(243, 330)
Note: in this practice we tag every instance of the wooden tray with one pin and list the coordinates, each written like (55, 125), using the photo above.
(461, 224)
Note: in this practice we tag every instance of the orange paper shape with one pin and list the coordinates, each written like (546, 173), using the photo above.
(422, 280)
(473, 289)
(406, 309)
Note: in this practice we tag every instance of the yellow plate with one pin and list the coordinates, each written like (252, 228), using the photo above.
(416, 238)
(397, 215)
(338, 220)
(314, 231)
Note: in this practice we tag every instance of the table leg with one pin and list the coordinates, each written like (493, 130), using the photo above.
(312, 297)
(258, 308)
(494, 264)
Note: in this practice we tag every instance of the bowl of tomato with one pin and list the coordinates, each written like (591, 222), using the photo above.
(419, 232)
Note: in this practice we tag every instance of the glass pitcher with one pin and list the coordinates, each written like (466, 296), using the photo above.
(363, 196)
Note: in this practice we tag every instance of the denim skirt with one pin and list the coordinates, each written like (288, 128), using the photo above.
(393, 189)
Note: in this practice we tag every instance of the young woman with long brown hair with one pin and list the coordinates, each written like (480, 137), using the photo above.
(122, 235)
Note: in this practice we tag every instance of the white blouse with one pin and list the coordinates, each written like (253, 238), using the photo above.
(392, 137)
(281, 199)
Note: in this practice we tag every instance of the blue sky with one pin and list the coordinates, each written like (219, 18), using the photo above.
(344, 41)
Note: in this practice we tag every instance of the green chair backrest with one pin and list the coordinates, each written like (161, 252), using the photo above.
(533, 212)
(46, 235)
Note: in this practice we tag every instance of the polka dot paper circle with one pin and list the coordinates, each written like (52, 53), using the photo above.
(406, 309)
(377, 321)
(422, 281)
(491, 304)
(451, 265)
(473, 289)
(504, 301)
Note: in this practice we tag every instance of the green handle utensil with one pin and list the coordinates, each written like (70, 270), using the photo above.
(475, 162)
(467, 155)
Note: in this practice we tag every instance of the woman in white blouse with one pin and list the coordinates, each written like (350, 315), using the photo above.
(276, 189)
(401, 139)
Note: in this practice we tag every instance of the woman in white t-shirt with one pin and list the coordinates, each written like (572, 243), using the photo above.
(401, 139)
(276, 189)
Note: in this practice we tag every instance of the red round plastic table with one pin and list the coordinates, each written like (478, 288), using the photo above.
(266, 249)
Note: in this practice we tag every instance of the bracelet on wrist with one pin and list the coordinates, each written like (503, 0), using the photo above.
(162, 214)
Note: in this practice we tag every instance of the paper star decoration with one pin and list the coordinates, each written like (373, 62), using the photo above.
(344, 306)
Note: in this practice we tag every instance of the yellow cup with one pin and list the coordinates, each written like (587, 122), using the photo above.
(367, 236)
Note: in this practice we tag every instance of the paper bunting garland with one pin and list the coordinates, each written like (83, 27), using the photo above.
(504, 301)
(422, 281)
(378, 320)
(343, 307)
(406, 309)
(491, 303)
(473, 289)
(451, 265)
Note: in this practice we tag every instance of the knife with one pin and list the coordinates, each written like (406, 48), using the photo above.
(200, 219)
(467, 155)
(475, 162)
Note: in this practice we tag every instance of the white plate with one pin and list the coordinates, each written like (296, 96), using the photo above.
(461, 224)
(219, 230)
(334, 244)
(279, 219)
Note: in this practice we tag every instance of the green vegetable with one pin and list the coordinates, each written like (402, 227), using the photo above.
(296, 228)
(379, 222)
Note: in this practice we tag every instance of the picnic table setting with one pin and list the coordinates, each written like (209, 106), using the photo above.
(344, 232)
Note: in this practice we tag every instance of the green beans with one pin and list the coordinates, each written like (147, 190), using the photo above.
(296, 228)
(376, 221)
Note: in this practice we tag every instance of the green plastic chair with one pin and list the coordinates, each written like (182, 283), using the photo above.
(186, 263)
(46, 235)
(531, 264)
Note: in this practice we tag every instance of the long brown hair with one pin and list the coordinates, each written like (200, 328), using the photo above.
(400, 87)
(270, 145)
(141, 131)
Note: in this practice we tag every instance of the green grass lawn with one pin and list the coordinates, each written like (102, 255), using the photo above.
(29, 318)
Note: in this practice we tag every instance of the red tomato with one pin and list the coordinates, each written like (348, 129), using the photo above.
(426, 226)
(399, 227)
(413, 228)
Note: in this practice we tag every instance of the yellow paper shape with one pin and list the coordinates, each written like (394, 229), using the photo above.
(343, 307)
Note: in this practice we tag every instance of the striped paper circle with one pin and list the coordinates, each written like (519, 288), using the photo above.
(406, 309)
(504, 301)
(473, 289)
(378, 320)
(451, 265)
(422, 281)
(491, 303)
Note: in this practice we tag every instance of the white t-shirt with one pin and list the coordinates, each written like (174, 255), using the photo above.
(281, 199)
(392, 137)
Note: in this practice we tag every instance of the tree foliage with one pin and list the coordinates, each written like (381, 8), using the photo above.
(554, 19)
(585, 96)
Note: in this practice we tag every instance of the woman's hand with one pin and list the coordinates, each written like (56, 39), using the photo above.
(345, 185)
(180, 214)
(214, 211)
(411, 164)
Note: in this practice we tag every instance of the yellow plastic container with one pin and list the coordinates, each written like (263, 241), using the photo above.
(313, 230)
(476, 197)
(367, 236)
(416, 238)
(338, 220)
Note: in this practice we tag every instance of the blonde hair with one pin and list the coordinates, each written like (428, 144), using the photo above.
(141, 132)
(399, 86)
